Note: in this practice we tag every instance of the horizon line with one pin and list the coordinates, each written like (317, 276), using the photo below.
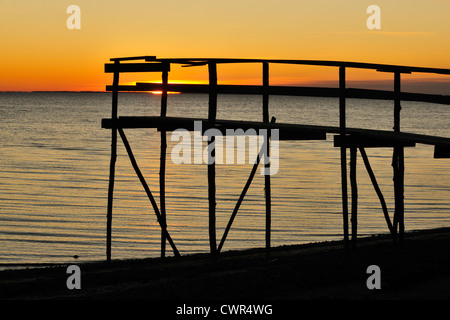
(373, 84)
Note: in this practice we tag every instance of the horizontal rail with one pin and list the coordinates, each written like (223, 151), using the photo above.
(136, 67)
(172, 123)
(357, 65)
(286, 90)
(146, 58)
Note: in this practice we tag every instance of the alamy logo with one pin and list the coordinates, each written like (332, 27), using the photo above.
(374, 20)
(191, 150)
(74, 280)
(374, 280)
(74, 20)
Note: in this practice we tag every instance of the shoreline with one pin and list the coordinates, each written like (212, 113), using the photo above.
(418, 270)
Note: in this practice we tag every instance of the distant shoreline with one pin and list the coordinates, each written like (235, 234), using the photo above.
(438, 86)
(54, 91)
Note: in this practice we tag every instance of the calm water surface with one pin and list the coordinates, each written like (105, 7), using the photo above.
(54, 167)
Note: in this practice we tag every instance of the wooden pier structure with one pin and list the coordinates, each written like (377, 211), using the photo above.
(345, 138)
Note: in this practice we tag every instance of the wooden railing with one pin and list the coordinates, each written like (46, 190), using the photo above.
(346, 138)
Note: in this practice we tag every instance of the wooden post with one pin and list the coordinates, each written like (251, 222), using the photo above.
(267, 187)
(396, 194)
(266, 92)
(162, 170)
(268, 197)
(354, 187)
(112, 166)
(399, 169)
(342, 127)
(212, 69)
(398, 164)
(401, 187)
(397, 106)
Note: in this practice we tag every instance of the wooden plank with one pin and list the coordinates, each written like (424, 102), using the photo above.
(360, 141)
(170, 124)
(288, 91)
(124, 88)
(147, 58)
(325, 63)
(136, 67)
(283, 134)
(396, 70)
(441, 152)
(188, 123)
(421, 138)
(422, 97)
(292, 135)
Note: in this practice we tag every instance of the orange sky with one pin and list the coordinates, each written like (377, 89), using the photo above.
(39, 52)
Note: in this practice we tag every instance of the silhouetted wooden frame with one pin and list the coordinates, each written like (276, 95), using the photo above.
(352, 138)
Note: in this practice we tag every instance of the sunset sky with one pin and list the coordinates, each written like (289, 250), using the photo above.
(39, 52)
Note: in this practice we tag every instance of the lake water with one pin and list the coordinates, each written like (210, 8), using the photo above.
(54, 171)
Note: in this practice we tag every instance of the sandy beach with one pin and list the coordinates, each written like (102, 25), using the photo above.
(417, 270)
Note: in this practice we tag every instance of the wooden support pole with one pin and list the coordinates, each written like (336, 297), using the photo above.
(401, 187)
(354, 188)
(162, 167)
(377, 190)
(268, 195)
(266, 92)
(165, 84)
(212, 112)
(239, 202)
(395, 179)
(397, 106)
(147, 190)
(342, 127)
(398, 163)
(399, 176)
(267, 186)
(342, 107)
(112, 166)
(243, 193)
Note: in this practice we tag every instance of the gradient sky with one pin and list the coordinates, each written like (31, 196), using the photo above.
(38, 51)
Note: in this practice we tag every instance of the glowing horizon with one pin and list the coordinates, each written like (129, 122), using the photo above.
(41, 54)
